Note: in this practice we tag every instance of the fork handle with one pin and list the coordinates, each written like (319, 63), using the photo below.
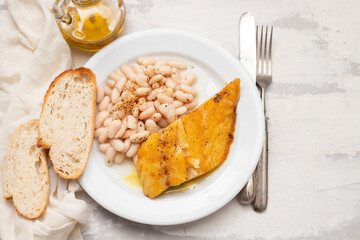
(261, 178)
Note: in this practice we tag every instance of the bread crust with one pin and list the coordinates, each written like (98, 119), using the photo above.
(80, 72)
(43, 166)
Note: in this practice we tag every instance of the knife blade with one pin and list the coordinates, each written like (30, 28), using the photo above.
(247, 54)
(248, 43)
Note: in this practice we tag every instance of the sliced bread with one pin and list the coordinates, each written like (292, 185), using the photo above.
(25, 175)
(67, 121)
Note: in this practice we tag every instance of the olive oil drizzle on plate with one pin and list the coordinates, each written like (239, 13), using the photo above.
(133, 180)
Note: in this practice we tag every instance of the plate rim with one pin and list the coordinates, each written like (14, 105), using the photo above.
(260, 124)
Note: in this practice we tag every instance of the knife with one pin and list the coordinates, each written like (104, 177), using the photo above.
(248, 59)
(248, 44)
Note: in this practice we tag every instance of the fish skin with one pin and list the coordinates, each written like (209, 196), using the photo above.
(191, 146)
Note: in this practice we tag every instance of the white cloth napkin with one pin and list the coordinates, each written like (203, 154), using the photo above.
(32, 53)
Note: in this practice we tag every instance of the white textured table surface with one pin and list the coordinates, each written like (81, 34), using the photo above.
(314, 110)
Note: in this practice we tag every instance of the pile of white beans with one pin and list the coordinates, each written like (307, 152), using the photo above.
(138, 100)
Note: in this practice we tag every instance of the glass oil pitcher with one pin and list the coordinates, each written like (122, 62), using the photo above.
(89, 24)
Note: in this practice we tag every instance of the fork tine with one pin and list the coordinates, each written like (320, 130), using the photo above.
(261, 53)
(266, 55)
(270, 51)
(257, 50)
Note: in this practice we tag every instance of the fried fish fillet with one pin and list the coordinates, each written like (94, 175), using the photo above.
(191, 146)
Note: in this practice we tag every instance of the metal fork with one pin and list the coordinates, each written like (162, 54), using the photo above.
(263, 79)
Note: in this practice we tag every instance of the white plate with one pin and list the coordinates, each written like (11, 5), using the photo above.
(214, 66)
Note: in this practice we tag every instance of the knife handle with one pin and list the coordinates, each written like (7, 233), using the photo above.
(247, 194)
(261, 178)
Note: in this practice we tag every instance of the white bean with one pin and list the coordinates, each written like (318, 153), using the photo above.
(148, 71)
(175, 75)
(115, 94)
(98, 131)
(117, 144)
(171, 119)
(140, 60)
(169, 92)
(135, 159)
(151, 126)
(148, 61)
(163, 70)
(103, 136)
(110, 155)
(150, 103)
(107, 122)
(119, 114)
(122, 129)
(163, 123)
(100, 93)
(114, 127)
(162, 82)
(109, 107)
(188, 79)
(162, 89)
(120, 84)
(141, 101)
(181, 110)
(126, 95)
(152, 95)
(143, 106)
(140, 126)
(139, 137)
(104, 104)
(132, 150)
(119, 157)
(170, 83)
(131, 86)
(191, 105)
(110, 83)
(128, 71)
(135, 112)
(104, 147)
(157, 105)
(177, 103)
(115, 76)
(156, 117)
(147, 113)
(156, 78)
(133, 78)
(142, 91)
(120, 73)
(100, 117)
(107, 90)
(141, 80)
(161, 62)
(168, 110)
(128, 133)
(137, 68)
(127, 144)
(164, 99)
(184, 97)
(188, 89)
(155, 85)
(131, 122)
(177, 63)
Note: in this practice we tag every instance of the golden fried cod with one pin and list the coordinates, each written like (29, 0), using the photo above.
(191, 146)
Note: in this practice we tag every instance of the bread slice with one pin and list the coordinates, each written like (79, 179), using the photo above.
(67, 121)
(25, 175)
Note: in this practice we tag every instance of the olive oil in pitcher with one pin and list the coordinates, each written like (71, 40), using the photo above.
(89, 24)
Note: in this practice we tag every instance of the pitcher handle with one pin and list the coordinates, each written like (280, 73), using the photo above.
(59, 13)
